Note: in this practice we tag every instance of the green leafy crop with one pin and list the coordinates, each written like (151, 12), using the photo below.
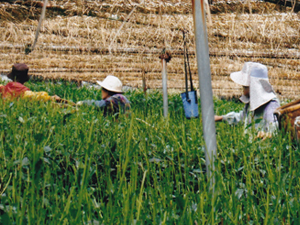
(59, 165)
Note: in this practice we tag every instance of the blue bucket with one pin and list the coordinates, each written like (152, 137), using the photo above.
(190, 105)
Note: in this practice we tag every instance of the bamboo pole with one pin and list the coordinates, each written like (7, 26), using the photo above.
(205, 86)
(30, 49)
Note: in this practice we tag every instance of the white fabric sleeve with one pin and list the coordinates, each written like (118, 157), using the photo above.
(233, 117)
(97, 103)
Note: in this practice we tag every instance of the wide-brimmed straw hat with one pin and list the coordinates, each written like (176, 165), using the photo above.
(111, 83)
(242, 77)
(19, 72)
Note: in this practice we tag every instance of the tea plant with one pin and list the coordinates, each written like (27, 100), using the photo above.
(59, 165)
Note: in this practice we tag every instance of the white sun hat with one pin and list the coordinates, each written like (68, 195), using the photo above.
(242, 77)
(111, 83)
(255, 76)
(261, 91)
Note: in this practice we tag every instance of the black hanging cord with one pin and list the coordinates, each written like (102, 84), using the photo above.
(188, 63)
(187, 67)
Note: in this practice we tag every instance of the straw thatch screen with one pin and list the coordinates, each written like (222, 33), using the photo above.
(87, 40)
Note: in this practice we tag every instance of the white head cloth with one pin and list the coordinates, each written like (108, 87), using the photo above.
(255, 75)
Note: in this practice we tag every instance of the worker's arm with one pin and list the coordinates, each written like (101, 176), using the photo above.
(43, 96)
(98, 104)
(218, 118)
(231, 118)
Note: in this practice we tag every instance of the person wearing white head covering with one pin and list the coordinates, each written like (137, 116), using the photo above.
(259, 98)
(113, 101)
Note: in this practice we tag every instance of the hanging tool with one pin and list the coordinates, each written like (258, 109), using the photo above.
(189, 98)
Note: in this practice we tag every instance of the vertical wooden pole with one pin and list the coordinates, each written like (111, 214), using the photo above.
(165, 87)
(165, 58)
(144, 81)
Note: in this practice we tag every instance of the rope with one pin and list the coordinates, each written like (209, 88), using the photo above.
(188, 63)
(126, 20)
(187, 68)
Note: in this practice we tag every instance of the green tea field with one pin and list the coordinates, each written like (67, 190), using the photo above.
(59, 165)
(69, 165)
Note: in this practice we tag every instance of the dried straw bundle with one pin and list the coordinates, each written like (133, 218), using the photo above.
(67, 46)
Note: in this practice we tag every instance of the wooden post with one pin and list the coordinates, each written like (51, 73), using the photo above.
(144, 81)
(165, 58)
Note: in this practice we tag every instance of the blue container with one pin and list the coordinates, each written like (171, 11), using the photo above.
(190, 105)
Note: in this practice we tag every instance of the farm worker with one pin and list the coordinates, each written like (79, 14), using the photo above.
(113, 101)
(16, 88)
(259, 98)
